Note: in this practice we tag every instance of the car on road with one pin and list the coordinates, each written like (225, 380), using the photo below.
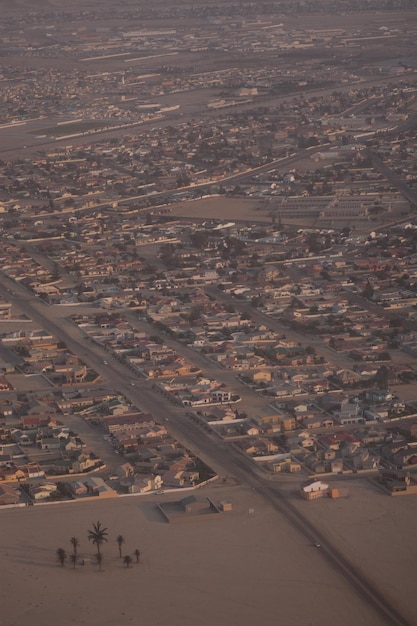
(317, 544)
(105, 362)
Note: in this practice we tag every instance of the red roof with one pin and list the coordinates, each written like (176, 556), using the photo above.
(338, 438)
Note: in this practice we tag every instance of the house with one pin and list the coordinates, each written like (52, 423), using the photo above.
(4, 384)
(336, 440)
(12, 473)
(317, 421)
(144, 483)
(287, 423)
(269, 420)
(313, 489)
(396, 481)
(29, 421)
(261, 376)
(364, 460)
(285, 465)
(85, 462)
(50, 443)
(5, 460)
(220, 395)
(128, 422)
(405, 457)
(299, 441)
(378, 395)
(378, 413)
(174, 478)
(191, 477)
(78, 488)
(125, 471)
(312, 422)
(39, 414)
(125, 442)
(350, 413)
(301, 409)
(259, 446)
(347, 377)
(42, 492)
(336, 466)
(219, 413)
(97, 487)
(8, 495)
(250, 430)
(34, 471)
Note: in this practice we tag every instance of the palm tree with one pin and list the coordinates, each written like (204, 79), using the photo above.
(99, 559)
(120, 541)
(127, 560)
(137, 555)
(61, 556)
(73, 559)
(75, 543)
(97, 535)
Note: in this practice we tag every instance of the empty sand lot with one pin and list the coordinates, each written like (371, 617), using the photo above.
(378, 533)
(239, 570)
(223, 208)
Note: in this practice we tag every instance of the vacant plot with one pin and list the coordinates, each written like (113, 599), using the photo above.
(377, 531)
(223, 208)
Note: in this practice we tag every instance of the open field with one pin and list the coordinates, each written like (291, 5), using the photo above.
(222, 208)
(238, 571)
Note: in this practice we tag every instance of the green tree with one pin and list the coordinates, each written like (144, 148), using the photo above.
(97, 535)
(73, 559)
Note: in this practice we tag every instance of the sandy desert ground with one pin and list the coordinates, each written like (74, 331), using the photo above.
(377, 532)
(240, 570)
(221, 208)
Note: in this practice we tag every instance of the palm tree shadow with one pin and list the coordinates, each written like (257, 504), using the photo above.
(25, 549)
(44, 564)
